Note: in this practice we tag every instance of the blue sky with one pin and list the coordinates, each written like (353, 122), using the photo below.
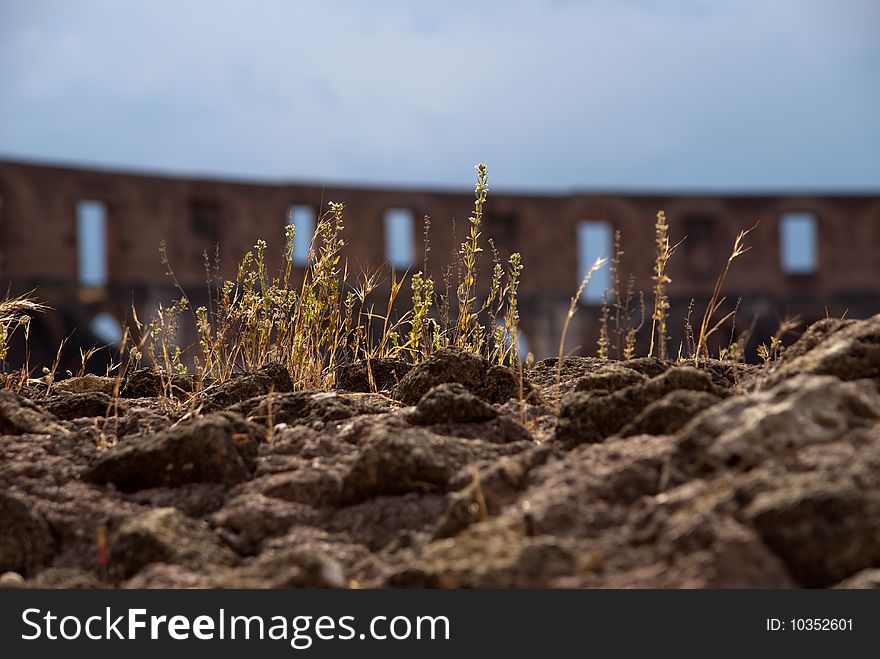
(553, 94)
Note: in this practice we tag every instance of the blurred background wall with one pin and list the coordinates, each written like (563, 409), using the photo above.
(125, 123)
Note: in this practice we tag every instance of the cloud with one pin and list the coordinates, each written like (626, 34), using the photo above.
(553, 94)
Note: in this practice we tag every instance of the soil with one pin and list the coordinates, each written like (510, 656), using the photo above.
(456, 474)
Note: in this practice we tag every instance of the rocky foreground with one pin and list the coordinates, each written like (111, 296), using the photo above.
(627, 474)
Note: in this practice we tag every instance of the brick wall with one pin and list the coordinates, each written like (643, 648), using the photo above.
(38, 242)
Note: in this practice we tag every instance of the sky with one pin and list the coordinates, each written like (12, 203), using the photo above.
(552, 94)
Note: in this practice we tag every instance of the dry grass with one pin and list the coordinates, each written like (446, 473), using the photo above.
(320, 318)
(661, 281)
(770, 353)
(15, 316)
(327, 320)
(709, 326)
(572, 308)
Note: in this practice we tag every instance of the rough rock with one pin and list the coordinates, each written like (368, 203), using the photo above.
(339, 547)
(726, 374)
(490, 490)
(503, 429)
(813, 336)
(272, 377)
(700, 548)
(66, 578)
(492, 383)
(386, 373)
(667, 415)
(85, 384)
(193, 499)
(864, 580)
(823, 531)
(26, 542)
(701, 478)
(251, 519)
(610, 497)
(589, 417)
(165, 575)
(312, 408)
(284, 568)
(132, 420)
(165, 535)
(452, 403)
(76, 406)
(413, 460)
(544, 373)
(390, 523)
(218, 448)
(608, 378)
(849, 350)
(650, 367)
(493, 554)
(287, 568)
(149, 383)
(744, 431)
(576, 367)
(314, 487)
(593, 489)
(19, 416)
(11, 580)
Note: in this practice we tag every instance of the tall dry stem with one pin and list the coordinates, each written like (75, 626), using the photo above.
(572, 308)
(715, 302)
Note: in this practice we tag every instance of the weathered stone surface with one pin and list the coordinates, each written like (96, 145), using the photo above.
(313, 408)
(26, 542)
(702, 478)
(823, 531)
(166, 575)
(650, 367)
(608, 378)
(218, 448)
(131, 419)
(813, 336)
(149, 383)
(494, 554)
(668, 414)
(744, 431)
(85, 384)
(67, 578)
(76, 406)
(452, 403)
(165, 535)
(847, 349)
(272, 377)
(699, 548)
(19, 416)
(252, 519)
(591, 417)
(377, 375)
(593, 489)
(866, 579)
(390, 523)
(410, 461)
(309, 486)
(11, 580)
(490, 490)
(285, 568)
(492, 383)
(545, 372)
